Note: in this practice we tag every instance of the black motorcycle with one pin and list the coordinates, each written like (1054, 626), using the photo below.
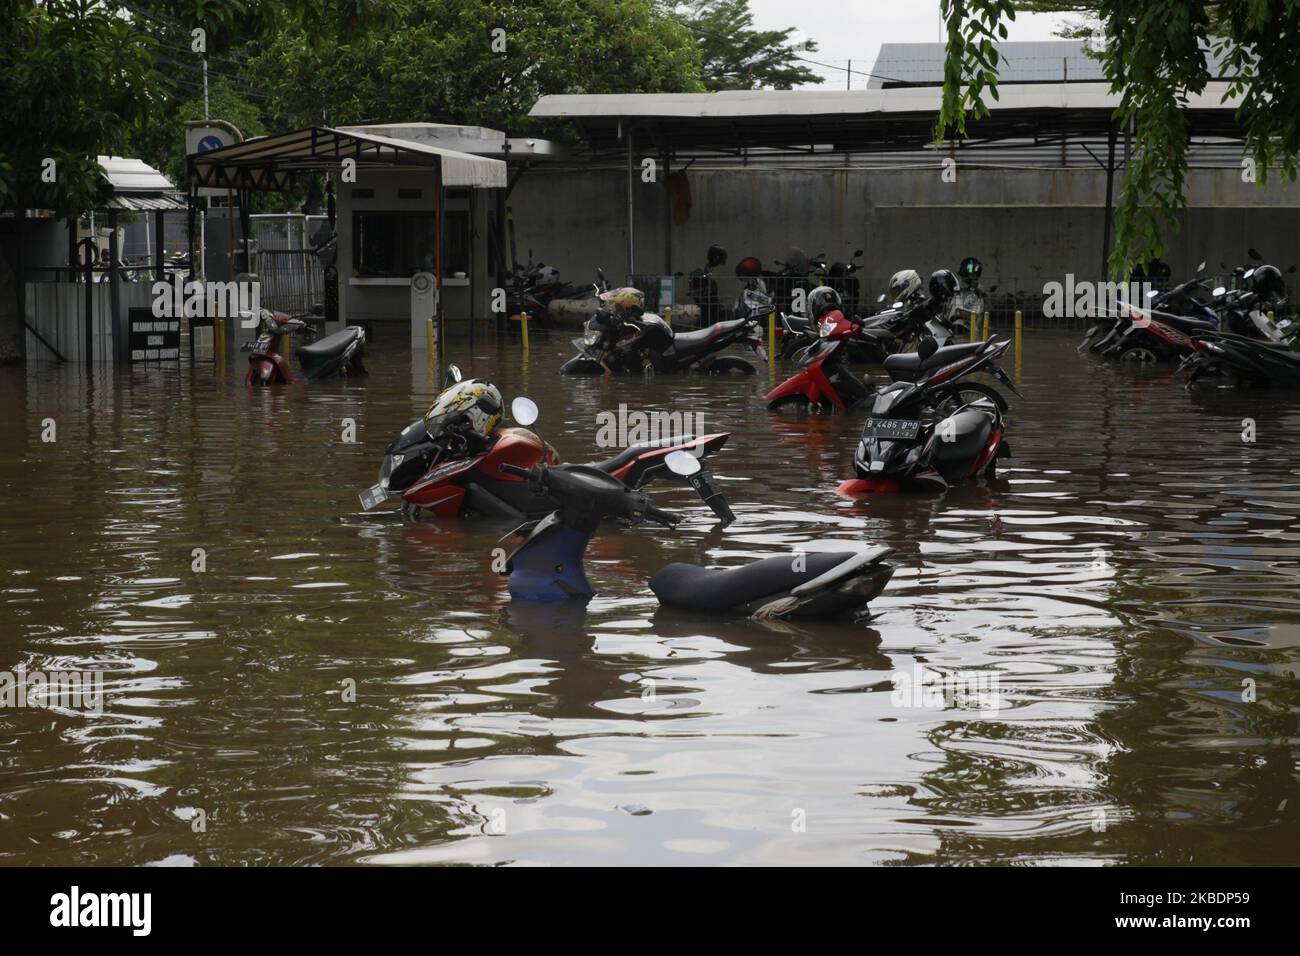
(613, 343)
(548, 565)
(928, 430)
(1240, 360)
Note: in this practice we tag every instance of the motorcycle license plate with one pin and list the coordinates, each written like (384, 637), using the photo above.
(1284, 323)
(892, 428)
(372, 496)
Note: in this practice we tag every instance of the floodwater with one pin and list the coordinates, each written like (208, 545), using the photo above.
(1128, 590)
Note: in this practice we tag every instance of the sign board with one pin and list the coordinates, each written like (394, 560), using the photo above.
(153, 339)
(203, 139)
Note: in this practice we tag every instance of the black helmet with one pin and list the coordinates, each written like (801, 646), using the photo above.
(821, 300)
(1267, 283)
(970, 268)
(943, 284)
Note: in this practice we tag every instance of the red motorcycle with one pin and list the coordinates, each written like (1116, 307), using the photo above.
(459, 472)
(823, 379)
(338, 353)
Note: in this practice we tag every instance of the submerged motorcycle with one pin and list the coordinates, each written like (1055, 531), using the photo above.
(1240, 360)
(337, 354)
(548, 565)
(927, 430)
(450, 463)
(621, 337)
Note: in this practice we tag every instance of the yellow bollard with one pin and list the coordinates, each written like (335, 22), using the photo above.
(986, 326)
(974, 327)
(428, 336)
(288, 347)
(1270, 317)
(523, 327)
(668, 315)
(771, 341)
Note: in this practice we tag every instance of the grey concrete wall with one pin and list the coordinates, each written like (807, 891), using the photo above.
(1029, 226)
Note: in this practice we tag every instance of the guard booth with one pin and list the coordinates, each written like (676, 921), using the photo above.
(86, 299)
(392, 206)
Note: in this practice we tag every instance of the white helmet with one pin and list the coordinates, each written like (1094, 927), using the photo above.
(905, 285)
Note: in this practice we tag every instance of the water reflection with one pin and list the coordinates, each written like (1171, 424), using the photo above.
(347, 687)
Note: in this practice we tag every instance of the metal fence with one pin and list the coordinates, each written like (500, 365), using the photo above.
(292, 279)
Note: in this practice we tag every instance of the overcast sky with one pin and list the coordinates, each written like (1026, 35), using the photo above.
(854, 29)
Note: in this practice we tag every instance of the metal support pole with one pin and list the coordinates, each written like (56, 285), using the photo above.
(631, 242)
(1110, 200)
(115, 336)
(160, 260)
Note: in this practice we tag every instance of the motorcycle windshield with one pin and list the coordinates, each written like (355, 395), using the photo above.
(819, 350)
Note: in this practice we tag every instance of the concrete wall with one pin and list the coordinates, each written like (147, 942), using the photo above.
(1028, 226)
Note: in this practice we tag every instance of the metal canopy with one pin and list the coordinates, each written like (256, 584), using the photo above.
(135, 186)
(857, 121)
(272, 162)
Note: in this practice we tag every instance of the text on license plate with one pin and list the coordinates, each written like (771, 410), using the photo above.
(892, 428)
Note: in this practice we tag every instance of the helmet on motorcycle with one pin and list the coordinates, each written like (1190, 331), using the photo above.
(905, 285)
(624, 302)
(822, 300)
(970, 268)
(471, 405)
(749, 267)
(1267, 283)
(943, 284)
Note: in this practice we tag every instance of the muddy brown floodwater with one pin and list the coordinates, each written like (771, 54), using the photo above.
(1131, 583)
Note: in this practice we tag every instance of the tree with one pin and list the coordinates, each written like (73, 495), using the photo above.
(477, 62)
(1154, 58)
(738, 57)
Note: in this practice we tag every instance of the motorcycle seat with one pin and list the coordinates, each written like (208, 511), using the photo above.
(331, 345)
(701, 338)
(907, 365)
(633, 452)
(970, 433)
(713, 590)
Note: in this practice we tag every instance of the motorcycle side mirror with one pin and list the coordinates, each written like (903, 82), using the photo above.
(1248, 273)
(1254, 255)
(453, 376)
(858, 254)
(682, 463)
(1219, 290)
(524, 411)
(897, 305)
(929, 345)
(881, 297)
(1292, 269)
(1152, 293)
(1200, 268)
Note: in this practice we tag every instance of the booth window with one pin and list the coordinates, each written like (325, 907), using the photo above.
(400, 244)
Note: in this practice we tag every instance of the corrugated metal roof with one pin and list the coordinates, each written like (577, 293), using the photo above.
(126, 174)
(738, 104)
(265, 161)
(138, 203)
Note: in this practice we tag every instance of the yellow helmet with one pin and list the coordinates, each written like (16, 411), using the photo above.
(626, 301)
(471, 405)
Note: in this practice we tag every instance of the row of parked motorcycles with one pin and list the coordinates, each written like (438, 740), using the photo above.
(1235, 336)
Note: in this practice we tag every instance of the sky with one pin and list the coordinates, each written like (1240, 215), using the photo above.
(854, 29)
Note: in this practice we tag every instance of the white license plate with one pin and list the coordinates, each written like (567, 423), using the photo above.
(372, 496)
(896, 428)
